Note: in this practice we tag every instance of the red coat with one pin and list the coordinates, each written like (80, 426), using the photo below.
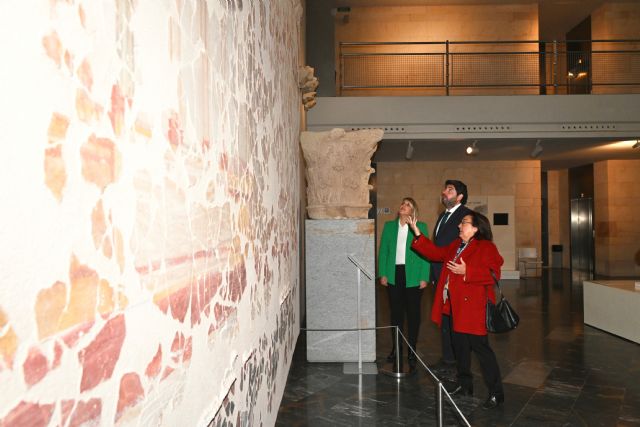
(467, 293)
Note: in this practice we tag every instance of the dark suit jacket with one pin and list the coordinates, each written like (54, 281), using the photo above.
(448, 233)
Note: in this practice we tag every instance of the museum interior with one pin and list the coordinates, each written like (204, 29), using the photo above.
(195, 193)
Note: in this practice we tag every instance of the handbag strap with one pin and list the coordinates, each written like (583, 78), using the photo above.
(495, 279)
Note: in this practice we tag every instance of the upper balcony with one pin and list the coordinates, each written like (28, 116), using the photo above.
(488, 68)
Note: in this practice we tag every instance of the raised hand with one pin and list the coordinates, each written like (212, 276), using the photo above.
(460, 268)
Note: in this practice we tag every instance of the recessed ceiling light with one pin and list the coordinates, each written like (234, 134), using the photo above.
(472, 150)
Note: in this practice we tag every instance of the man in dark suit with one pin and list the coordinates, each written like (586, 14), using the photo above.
(454, 198)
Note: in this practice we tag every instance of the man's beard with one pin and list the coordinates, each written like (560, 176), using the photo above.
(448, 203)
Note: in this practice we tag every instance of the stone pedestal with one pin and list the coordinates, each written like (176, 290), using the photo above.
(332, 289)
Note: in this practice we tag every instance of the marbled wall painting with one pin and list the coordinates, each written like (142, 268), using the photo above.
(149, 229)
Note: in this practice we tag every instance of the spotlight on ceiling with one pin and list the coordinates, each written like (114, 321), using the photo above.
(537, 150)
(409, 154)
(472, 150)
(637, 144)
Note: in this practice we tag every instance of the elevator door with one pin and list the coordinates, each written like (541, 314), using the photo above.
(582, 248)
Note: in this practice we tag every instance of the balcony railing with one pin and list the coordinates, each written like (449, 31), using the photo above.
(474, 67)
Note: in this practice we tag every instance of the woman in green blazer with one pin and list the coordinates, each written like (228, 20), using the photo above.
(403, 272)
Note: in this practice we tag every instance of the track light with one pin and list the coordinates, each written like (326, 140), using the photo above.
(409, 154)
(537, 150)
(472, 150)
(637, 144)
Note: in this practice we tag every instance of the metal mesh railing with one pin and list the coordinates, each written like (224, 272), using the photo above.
(394, 70)
(568, 67)
(494, 69)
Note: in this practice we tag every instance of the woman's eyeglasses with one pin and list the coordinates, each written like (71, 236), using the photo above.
(466, 222)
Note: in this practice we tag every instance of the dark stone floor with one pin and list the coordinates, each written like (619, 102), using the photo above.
(556, 372)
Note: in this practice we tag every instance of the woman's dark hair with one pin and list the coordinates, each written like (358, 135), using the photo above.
(481, 222)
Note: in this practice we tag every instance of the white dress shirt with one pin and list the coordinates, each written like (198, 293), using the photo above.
(401, 243)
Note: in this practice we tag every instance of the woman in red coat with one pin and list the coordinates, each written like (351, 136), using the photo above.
(462, 291)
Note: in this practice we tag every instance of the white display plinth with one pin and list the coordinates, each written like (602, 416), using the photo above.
(613, 306)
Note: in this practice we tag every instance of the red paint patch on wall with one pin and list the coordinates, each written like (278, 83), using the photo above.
(66, 406)
(179, 302)
(188, 350)
(99, 358)
(86, 412)
(237, 281)
(28, 414)
(57, 355)
(222, 312)
(206, 288)
(167, 371)
(174, 134)
(55, 173)
(153, 368)
(177, 346)
(100, 161)
(131, 392)
(53, 47)
(35, 367)
(116, 114)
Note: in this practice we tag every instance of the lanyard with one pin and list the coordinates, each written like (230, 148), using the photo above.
(461, 248)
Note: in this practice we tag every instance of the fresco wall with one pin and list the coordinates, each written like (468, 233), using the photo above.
(149, 229)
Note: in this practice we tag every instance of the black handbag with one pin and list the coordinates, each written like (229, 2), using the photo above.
(500, 317)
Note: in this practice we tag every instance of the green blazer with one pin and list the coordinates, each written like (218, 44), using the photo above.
(416, 267)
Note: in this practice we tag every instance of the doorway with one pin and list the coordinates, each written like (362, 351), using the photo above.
(582, 247)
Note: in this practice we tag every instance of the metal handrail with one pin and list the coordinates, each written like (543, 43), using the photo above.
(440, 386)
(513, 68)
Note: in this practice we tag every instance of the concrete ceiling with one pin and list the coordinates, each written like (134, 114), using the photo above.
(556, 17)
(556, 154)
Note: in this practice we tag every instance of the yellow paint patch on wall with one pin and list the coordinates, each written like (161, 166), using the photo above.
(87, 109)
(61, 307)
(100, 161)
(98, 224)
(49, 307)
(54, 171)
(118, 243)
(142, 126)
(57, 127)
(8, 340)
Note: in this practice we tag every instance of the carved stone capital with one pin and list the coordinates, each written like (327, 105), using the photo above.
(338, 169)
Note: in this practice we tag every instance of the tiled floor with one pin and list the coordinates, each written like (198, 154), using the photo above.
(556, 372)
